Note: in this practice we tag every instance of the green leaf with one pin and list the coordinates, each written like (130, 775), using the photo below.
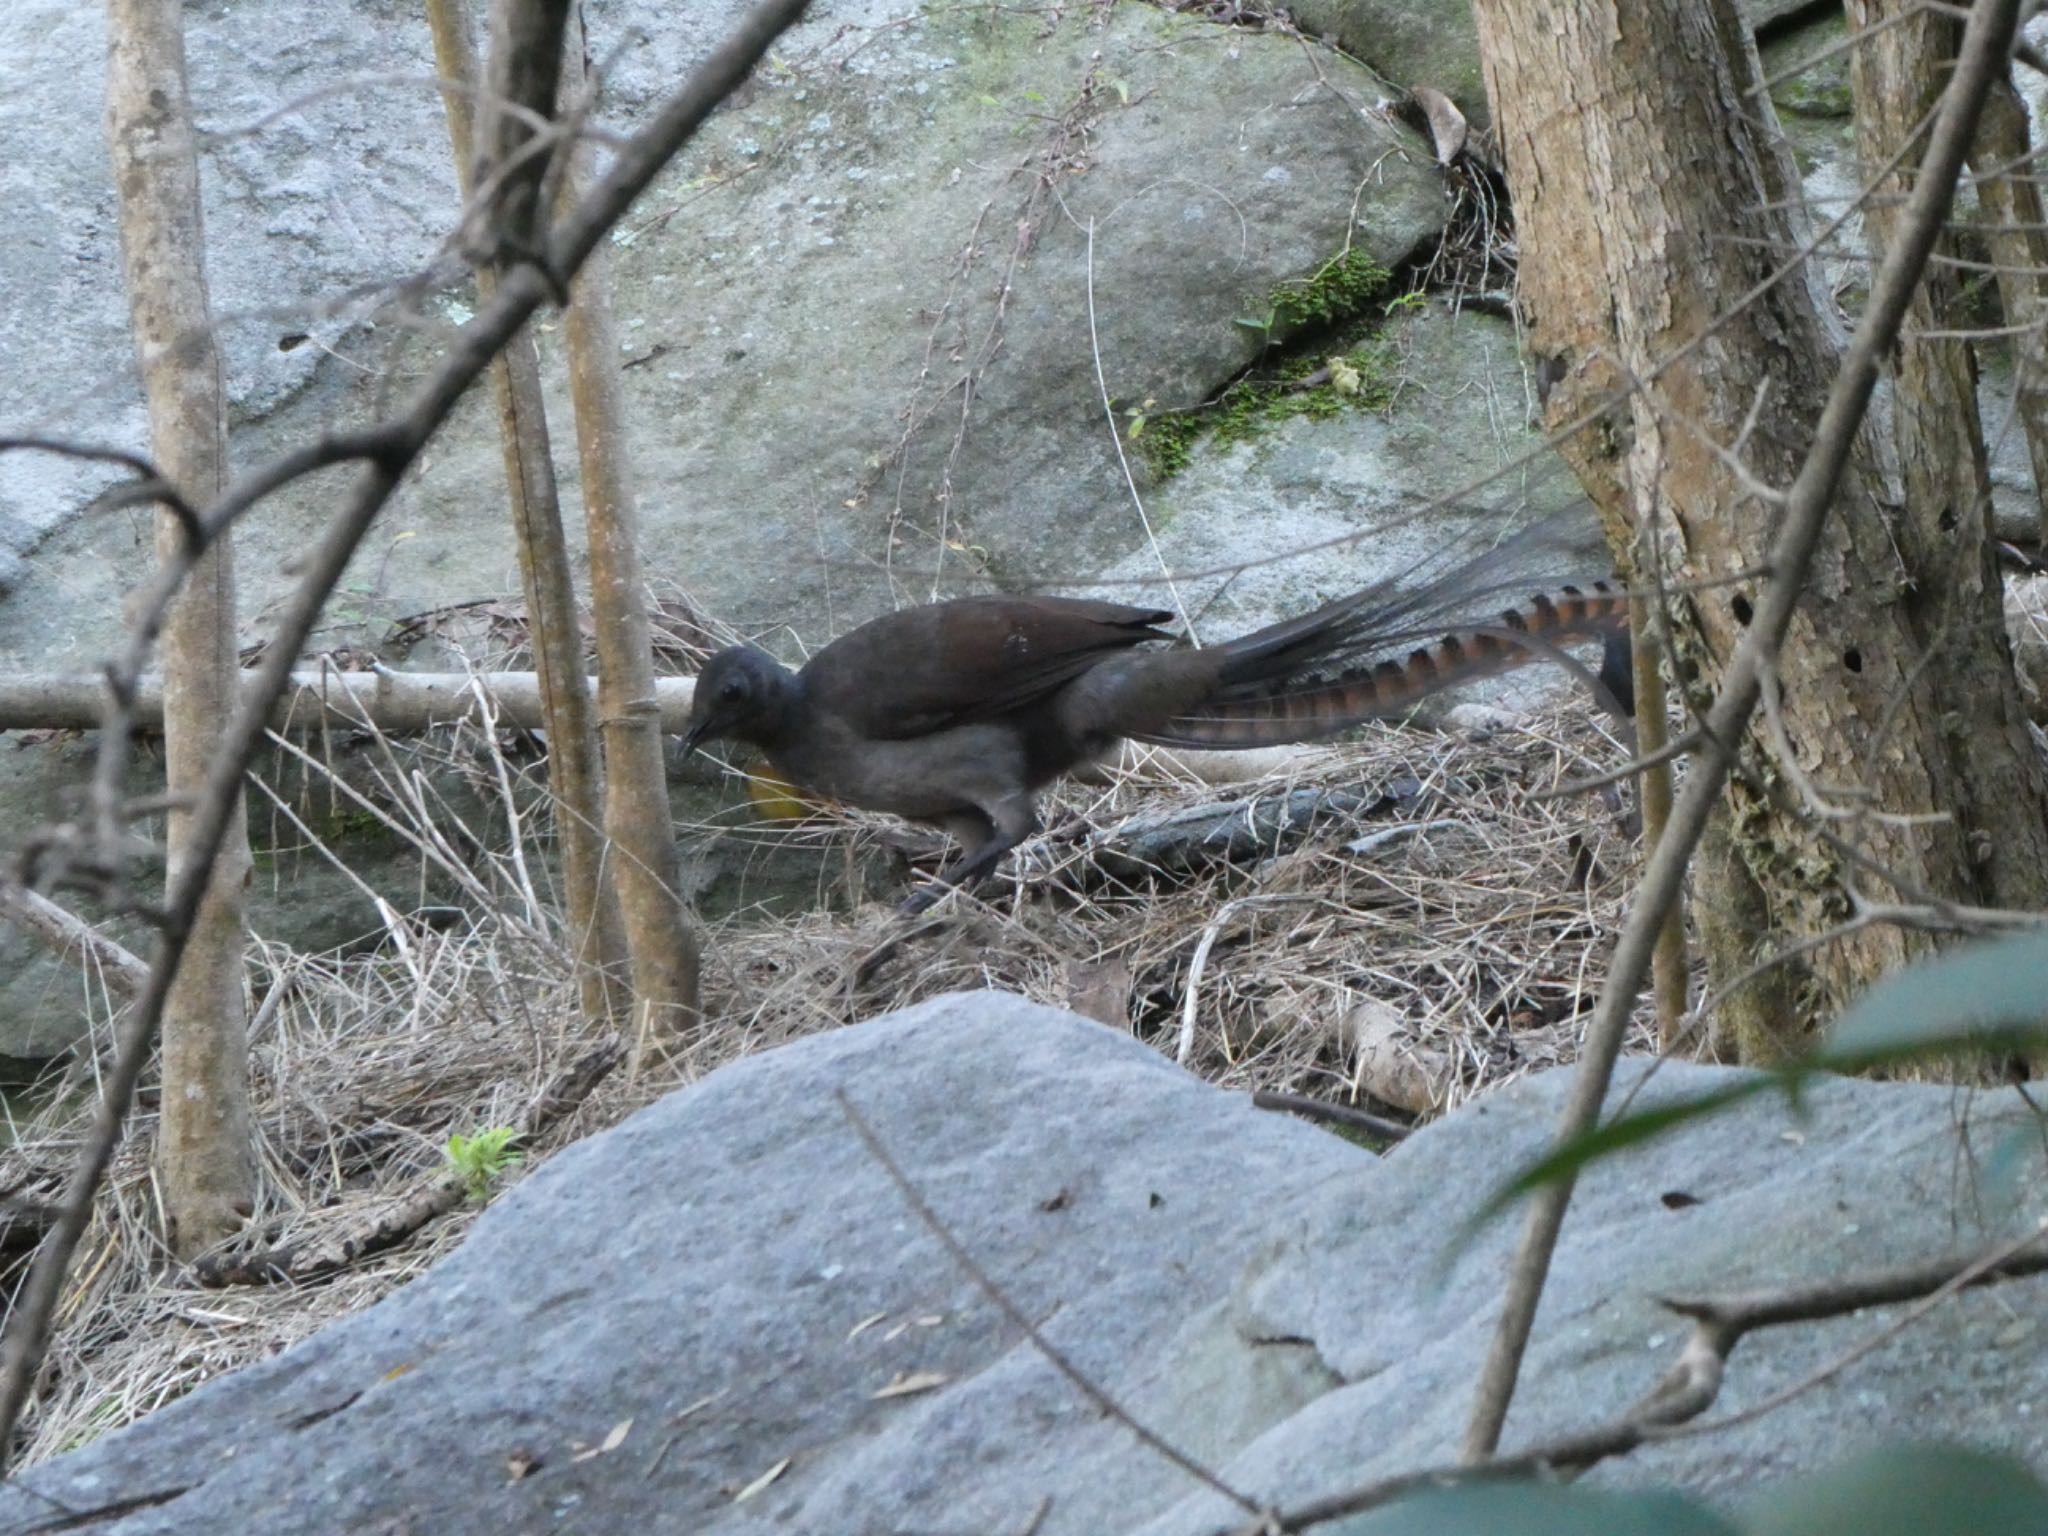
(1540, 1509)
(1603, 1140)
(480, 1160)
(2005, 1180)
(1906, 1490)
(1981, 996)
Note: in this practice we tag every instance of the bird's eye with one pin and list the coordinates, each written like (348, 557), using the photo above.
(732, 691)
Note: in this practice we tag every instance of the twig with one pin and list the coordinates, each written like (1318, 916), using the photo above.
(1015, 1314)
(1185, 1051)
(1123, 460)
(1668, 966)
(1671, 1409)
(1335, 1114)
(62, 929)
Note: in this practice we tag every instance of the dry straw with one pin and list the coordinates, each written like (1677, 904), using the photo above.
(1412, 912)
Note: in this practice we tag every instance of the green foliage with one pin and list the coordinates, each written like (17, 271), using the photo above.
(1985, 997)
(481, 1159)
(1340, 289)
(1540, 1509)
(1901, 1490)
(1988, 996)
(1898, 1489)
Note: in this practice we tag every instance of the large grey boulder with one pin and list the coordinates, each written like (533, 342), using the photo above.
(906, 215)
(731, 1272)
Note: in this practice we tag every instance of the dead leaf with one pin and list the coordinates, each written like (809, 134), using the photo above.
(1388, 1063)
(610, 1443)
(1446, 123)
(908, 1383)
(695, 1408)
(1099, 990)
(763, 1480)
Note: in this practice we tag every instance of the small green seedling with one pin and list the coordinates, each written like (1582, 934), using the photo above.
(481, 1159)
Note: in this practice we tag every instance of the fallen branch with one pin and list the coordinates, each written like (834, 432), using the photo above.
(394, 702)
(64, 930)
(1227, 831)
(1333, 1114)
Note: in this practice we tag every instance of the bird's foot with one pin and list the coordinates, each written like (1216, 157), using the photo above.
(922, 900)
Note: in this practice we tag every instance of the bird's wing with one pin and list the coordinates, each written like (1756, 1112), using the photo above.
(924, 669)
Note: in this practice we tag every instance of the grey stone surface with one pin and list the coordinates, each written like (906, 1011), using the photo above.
(1458, 432)
(729, 1271)
(899, 205)
(922, 227)
(1406, 44)
(1871, 1176)
(730, 1243)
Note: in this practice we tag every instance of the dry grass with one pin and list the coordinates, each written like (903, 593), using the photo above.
(1482, 917)
(1481, 920)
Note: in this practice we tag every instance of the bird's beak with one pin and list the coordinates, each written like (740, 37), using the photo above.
(694, 736)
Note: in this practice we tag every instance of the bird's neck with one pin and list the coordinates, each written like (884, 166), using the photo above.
(784, 718)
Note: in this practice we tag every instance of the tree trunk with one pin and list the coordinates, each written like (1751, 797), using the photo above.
(575, 774)
(1650, 217)
(205, 1161)
(517, 165)
(659, 937)
(2016, 230)
(1954, 605)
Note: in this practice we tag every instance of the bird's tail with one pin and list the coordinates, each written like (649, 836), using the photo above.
(1310, 677)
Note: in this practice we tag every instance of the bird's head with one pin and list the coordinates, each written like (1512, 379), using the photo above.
(742, 692)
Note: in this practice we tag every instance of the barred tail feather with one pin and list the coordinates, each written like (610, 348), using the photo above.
(1274, 711)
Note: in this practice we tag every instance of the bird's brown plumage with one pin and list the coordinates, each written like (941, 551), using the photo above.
(957, 713)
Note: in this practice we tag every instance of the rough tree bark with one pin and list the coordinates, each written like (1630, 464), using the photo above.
(205, 1161)
(576, 775)
(2016, 230)
(659, 937)
(1988, 773)
(1648, 217)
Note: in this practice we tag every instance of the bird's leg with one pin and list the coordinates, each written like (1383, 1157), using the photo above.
(984, 835)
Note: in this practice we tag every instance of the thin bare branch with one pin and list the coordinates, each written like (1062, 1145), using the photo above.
(1018, 1320)
(1671, 1409)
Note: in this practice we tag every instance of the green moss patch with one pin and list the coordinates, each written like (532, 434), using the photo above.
(1359, 379)
(1341, 303)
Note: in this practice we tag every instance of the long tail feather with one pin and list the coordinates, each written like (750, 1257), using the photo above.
(1309, 678)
